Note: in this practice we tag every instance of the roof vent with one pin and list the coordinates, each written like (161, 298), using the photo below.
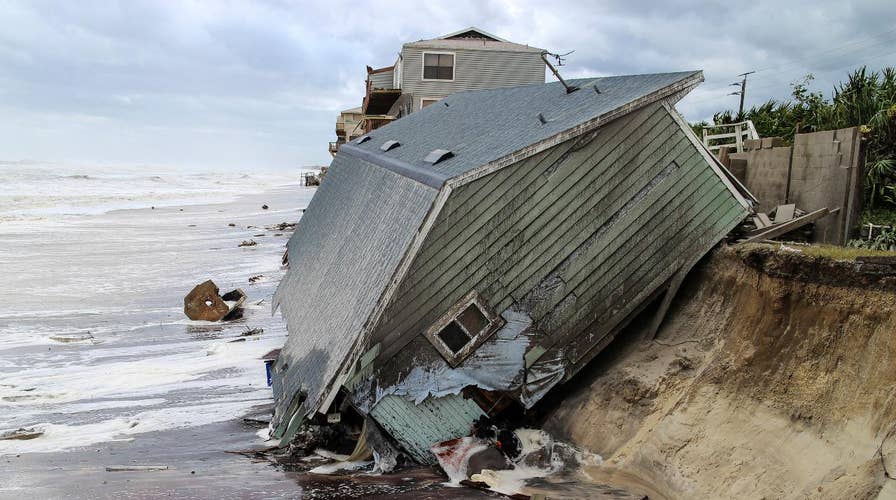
(362, 139)
(390, 145)
(542, 119)
(596, 90)
(438, 155)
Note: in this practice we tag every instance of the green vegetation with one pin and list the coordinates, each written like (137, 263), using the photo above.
(825, 251)
(883, 241)
(866, 100)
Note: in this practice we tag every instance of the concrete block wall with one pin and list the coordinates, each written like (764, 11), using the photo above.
(765, 174)
(821, 169)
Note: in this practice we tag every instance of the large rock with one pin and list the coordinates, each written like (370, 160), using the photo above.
(204, 303)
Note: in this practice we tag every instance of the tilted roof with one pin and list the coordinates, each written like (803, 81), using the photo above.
(341, 257)
(361, 225)
(483, 126)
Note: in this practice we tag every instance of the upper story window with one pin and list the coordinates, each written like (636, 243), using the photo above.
(463, 328)
(438, 66)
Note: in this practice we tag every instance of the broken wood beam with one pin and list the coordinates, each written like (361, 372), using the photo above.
(671, 291)
(136, 468)
(786, 227)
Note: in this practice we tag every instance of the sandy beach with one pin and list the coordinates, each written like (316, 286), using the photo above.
(148, 386)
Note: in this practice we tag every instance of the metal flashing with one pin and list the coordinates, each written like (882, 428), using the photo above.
(438, 155)
(423, 176)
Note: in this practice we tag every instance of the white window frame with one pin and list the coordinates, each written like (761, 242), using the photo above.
(495, 322)
(423, 66)
(435, 99)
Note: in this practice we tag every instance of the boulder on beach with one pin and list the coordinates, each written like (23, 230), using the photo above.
(204, 303)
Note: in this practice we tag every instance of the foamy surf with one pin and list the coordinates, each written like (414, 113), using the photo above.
(94, 346)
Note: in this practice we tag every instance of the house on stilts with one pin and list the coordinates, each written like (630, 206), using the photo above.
(481, 251)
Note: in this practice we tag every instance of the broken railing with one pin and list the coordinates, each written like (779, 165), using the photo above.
(735, 133)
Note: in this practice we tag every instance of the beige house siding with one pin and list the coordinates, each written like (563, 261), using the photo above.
(473, 70)
(382, 80)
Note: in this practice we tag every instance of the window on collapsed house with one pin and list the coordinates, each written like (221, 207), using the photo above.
(426, 101)
(438, 66)
(459, 332)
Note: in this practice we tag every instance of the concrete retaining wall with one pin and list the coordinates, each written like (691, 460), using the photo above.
(821, 169)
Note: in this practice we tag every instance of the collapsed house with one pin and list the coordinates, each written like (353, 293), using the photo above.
(481, 251)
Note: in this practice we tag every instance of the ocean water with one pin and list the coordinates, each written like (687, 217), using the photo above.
(106, 255)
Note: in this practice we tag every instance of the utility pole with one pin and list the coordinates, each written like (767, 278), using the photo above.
(743, 91)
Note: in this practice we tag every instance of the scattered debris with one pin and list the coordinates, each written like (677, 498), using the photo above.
(283, 226)
(784, 213)
(256, 278)
(311, 179)
(503, 460)
(203, 303)
(258, 235)
(264, 207)
(761, 220)
(250, 332)
(21, 434)
(269, 359)
(136, 468)
(259, 421)
(232, 224)
(68, 338)
(249, 243)
(778, 229)
(234, 300)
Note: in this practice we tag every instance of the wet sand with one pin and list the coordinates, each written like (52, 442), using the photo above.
(200, 467)
(152, 388)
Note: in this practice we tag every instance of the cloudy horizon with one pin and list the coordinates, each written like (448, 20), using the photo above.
(241, 85)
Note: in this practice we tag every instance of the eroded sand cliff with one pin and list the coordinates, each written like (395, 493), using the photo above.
(774, 376)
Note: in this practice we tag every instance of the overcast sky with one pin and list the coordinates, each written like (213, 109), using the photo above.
(241, 85)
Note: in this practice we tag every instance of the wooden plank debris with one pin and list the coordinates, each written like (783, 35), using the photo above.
(766, 222)
(786, 227)
(22, 434)
(136, 468)
(784, 213)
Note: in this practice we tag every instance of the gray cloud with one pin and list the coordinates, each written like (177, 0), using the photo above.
(258, 84)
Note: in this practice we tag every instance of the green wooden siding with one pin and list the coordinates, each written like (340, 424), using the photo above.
(557, 214)
(417, 427)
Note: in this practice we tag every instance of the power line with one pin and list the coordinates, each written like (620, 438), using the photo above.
(767, 85)
(817, 55)
(743, 90)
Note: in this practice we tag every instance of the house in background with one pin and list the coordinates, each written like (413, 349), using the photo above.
(468, 258)
(428, 70)
(348, 127)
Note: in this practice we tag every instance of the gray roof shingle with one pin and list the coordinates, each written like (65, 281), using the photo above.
(479, 127)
